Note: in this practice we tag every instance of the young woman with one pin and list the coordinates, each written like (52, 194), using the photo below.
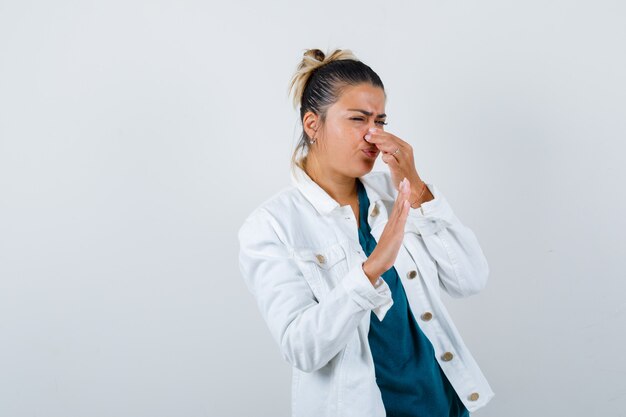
(347, 264)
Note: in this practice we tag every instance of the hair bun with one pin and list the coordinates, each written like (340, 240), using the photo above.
(316, 54)
(312, 59)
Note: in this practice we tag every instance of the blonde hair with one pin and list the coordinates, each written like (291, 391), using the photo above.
(318, 82)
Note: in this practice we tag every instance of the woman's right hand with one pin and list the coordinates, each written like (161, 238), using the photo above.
(385, 253)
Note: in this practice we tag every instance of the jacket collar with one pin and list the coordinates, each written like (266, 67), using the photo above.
(323, 202)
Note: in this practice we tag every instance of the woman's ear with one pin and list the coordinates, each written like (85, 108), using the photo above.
(310, 123)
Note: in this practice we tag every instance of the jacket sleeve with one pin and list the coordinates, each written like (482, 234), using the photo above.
(309, 332)
(461, 264)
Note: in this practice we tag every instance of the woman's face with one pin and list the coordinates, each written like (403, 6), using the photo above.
(340, 147)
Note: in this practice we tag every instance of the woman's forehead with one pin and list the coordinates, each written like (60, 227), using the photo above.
(363, 97)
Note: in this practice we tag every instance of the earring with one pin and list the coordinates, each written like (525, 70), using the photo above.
(313, 140)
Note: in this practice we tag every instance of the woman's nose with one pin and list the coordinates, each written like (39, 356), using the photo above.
(367, 126)
(373, 125)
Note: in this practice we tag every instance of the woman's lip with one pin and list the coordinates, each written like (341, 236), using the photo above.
(370, 153)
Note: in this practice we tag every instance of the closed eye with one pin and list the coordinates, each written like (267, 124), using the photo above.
(380, 122)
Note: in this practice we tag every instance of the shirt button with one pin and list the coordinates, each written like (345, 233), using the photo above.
(447, 357)
(473, 396)
(427, 316)
(320, 258)
(374, 211)
(411, 274)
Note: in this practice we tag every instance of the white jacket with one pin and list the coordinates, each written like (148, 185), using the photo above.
(300, 257)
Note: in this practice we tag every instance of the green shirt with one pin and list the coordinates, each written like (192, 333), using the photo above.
(410, 379)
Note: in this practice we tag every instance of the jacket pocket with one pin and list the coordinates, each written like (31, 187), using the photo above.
(323, 268)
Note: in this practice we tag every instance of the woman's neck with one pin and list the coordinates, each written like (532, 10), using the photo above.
(340, 187)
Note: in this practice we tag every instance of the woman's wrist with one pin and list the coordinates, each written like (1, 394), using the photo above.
(370, 272)
(419, 194)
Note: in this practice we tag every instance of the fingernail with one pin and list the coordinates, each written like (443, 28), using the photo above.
(372, 129)
(368, 136)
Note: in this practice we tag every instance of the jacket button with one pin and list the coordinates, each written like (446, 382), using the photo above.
(473, 396)
(447, 357)
(411, 274)
(320, 258)
(374, 211)
(427, 316)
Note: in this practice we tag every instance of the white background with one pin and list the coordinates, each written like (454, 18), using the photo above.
(136, 136)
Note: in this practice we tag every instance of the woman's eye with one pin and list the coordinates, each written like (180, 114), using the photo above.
(360, 119)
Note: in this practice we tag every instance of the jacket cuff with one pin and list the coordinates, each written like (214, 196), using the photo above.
(368, 297)
(431, 216)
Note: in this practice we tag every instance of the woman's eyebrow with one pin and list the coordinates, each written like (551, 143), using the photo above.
(368, 113)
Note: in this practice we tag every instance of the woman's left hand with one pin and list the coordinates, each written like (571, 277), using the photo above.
(398, 155)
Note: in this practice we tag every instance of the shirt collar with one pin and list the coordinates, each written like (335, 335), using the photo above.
(323, 202)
